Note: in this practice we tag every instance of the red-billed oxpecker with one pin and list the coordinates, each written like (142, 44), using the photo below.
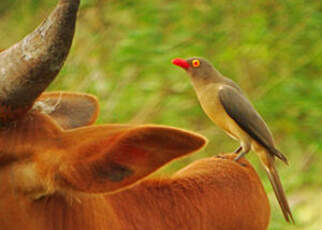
(225, 104)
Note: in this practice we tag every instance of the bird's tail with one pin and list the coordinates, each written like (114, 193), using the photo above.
(278, 188)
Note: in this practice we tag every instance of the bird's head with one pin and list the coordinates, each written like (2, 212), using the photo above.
(196, 67)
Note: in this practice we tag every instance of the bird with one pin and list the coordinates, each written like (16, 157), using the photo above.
(226, 105)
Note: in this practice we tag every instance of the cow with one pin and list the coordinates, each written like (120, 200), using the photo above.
(60, 171)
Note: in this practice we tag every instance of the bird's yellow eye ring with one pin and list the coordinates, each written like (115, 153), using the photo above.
(196, 63)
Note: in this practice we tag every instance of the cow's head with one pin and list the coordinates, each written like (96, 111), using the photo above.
(48, 144)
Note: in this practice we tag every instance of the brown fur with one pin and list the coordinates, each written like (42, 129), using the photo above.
(40, 189)
(213, 193)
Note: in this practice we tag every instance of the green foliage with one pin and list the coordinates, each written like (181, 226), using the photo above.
(273, 49)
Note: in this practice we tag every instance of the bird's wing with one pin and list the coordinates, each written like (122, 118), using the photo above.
(238, 107)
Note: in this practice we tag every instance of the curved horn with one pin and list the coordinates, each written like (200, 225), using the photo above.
(28, 67)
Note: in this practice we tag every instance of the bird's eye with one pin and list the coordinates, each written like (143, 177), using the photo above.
(195, 63)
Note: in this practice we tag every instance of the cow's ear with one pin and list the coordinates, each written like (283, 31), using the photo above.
(108, 158)
(69, 110)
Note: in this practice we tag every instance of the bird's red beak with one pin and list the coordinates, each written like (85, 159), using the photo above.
(180, 62)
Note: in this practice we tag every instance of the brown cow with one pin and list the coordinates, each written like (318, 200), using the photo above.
(60, 172)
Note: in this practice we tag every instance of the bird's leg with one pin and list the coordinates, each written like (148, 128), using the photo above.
(242, 150)
(238, 149)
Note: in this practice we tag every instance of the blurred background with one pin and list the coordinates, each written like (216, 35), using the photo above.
(122, 53)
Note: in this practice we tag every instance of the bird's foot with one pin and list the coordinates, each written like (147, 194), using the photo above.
(220, 156)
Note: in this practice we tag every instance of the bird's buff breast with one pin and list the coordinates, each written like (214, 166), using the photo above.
(212, 106)
(210, 103)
